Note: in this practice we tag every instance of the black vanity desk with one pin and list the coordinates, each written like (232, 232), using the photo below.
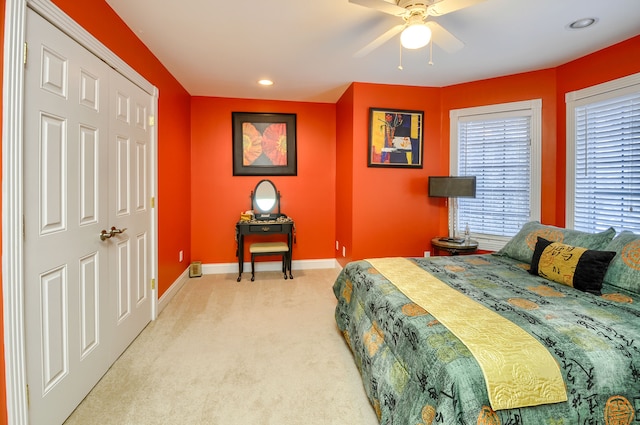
(282, 225)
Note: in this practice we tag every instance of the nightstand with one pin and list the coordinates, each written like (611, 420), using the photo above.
(453, 248)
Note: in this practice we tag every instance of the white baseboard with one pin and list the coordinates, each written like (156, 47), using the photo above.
(221, 268)
(173, 290)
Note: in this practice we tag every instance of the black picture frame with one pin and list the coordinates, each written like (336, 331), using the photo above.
(264, 144)
(396, 138)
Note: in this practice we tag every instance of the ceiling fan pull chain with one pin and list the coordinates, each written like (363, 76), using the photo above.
(400, 65)
(431, 52)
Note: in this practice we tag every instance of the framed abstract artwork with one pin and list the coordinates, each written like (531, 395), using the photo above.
(264, 144)
(395, 138)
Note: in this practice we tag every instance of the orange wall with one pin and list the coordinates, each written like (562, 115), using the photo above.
(344, 175)
(526, 86)
(617, 61)
(392, 214)
(386, 211)
(173, 200)
(3, 387)
(218, 197)
(382, 212)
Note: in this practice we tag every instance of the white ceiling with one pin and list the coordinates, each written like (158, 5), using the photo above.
(221, 48)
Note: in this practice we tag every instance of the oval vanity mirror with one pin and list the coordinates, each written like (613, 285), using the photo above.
(265, 197)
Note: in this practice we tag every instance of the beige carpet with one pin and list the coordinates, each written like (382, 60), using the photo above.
(222, 352)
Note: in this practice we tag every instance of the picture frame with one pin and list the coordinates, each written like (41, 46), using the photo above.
(264, 144)
(396, 138)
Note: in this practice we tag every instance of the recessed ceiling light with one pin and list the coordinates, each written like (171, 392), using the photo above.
(582, 23)
(265, 82)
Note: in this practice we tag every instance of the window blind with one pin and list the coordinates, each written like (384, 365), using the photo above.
(607, 161)
(498, 153)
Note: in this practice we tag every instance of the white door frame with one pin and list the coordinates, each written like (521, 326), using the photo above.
(12, 184)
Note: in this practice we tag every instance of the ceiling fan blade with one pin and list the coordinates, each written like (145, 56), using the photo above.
(379, 41)
(443, 38)
(447, 6)
(382, 6)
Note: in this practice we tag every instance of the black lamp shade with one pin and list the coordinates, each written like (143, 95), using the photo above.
(452, 186)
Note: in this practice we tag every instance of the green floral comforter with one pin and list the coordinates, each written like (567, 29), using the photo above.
(416, 372)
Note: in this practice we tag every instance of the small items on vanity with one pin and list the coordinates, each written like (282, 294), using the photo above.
(246, 216)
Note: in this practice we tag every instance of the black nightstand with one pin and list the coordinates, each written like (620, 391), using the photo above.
(453, 248)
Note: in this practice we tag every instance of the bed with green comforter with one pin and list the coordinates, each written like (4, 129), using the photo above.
(416, 371)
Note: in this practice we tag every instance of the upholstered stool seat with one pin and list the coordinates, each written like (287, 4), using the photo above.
(271, 248)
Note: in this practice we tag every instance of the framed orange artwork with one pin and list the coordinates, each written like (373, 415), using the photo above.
(264, 144)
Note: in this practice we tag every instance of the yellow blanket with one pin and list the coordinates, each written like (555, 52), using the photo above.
(518, 370)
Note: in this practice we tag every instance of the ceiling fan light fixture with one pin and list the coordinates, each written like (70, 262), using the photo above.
(415, 36)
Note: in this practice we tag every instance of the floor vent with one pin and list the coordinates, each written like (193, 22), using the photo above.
(195, 269)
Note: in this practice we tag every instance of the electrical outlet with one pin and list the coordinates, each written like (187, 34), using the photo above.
(427, 253)
(181, 256)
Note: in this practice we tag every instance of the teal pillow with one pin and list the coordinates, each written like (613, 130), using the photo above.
(624, 270)
(521, 246)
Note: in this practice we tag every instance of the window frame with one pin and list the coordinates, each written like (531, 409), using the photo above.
(593, 94)
(530, 108)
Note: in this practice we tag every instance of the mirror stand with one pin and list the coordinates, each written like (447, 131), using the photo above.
(265, 201)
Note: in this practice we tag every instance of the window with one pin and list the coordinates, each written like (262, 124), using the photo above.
(603, 156)
(500, 145)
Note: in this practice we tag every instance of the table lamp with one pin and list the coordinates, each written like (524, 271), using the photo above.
(452, 187)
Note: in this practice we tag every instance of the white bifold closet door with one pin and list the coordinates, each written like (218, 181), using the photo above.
(86, 169)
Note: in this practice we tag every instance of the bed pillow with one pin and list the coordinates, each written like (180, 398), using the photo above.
(624, 271)
(574, 266)
(521, 246)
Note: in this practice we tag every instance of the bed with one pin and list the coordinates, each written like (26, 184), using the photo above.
(417, 370)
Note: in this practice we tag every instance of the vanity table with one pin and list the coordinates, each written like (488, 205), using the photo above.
(266, 220)
(281, 225)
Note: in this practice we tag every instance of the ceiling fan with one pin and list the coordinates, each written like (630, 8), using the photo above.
(416, 30)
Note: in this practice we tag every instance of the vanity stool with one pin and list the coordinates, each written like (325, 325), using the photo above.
(270, 248)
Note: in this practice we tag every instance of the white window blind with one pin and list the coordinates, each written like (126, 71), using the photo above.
(607, 164)
(498, 153)
(500, 145)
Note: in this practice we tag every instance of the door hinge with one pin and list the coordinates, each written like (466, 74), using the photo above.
(24, 53)
(152, 120)
(153, 202)
(153, 284)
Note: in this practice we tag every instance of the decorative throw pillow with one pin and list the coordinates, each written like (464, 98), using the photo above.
(521, 246)
(578, 267)
(624, 270)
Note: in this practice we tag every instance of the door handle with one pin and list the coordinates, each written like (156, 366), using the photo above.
(111, 233)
